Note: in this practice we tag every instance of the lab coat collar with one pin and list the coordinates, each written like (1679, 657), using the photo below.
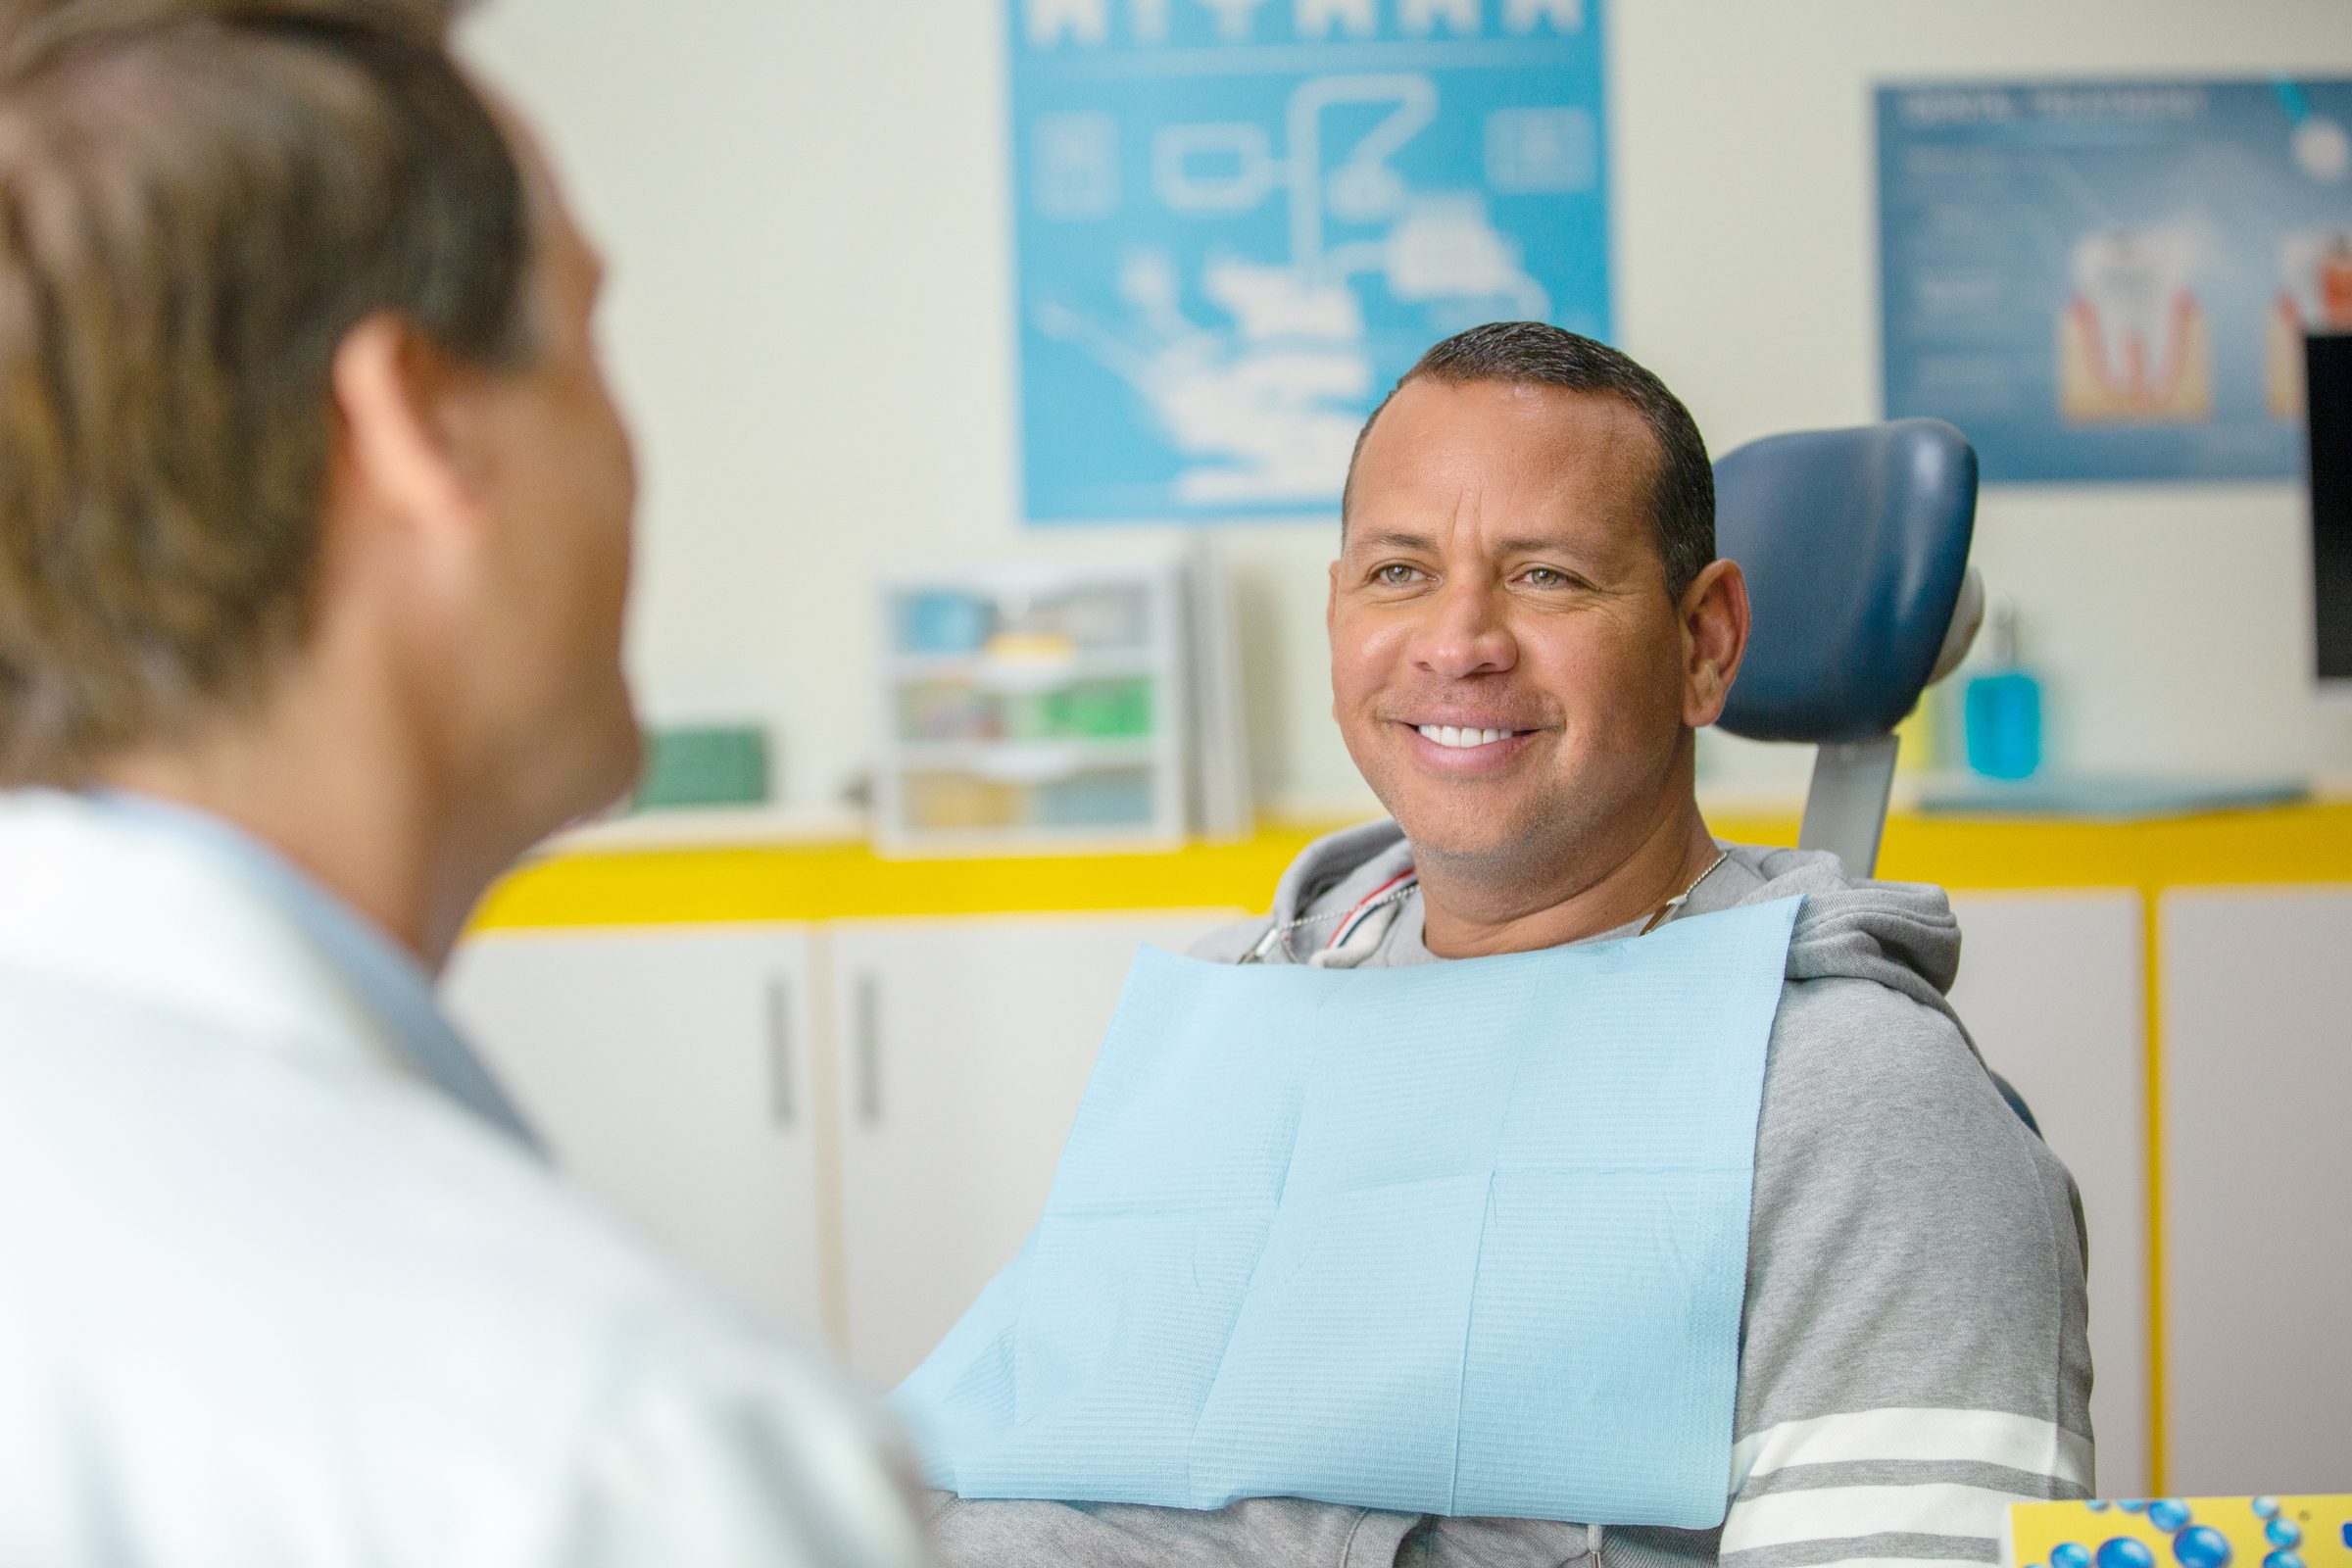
(184, 911)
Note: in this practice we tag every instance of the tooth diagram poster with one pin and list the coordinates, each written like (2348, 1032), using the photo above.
(1238, 222)
(2111, 279)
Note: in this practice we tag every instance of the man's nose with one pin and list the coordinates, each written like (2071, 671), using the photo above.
(1465, 632)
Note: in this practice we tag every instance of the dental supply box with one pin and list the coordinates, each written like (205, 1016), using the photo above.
(2280, 1532)
(1028, 703)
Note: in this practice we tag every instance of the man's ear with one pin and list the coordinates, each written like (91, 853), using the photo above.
(388, 385)
(1714, 622)
(1331, 615)
(1332, 628)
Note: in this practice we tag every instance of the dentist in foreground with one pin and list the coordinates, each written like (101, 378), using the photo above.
(314, 522)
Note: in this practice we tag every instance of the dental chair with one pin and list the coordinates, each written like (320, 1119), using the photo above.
(1855, 547)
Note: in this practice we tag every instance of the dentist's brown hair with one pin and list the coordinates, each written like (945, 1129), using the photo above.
(198, 200)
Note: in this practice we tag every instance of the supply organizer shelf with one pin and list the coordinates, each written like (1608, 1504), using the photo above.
(1029, 704)
(1024, 673)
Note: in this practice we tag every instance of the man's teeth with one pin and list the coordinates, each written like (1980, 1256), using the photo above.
(1463, 739)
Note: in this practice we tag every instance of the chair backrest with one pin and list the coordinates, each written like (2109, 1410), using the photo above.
(1855, 547)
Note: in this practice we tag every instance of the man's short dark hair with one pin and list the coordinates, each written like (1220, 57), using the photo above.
(1534, 352)
(199, 200)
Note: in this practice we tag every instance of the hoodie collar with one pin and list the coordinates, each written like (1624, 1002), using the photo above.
(1901, 935)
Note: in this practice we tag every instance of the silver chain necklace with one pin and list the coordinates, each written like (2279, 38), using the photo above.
(1279, 935)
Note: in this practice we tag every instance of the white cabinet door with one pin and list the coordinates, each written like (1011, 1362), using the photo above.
(2053, 988)
(2257, 1092)
(668, 1070)
(965, 1046)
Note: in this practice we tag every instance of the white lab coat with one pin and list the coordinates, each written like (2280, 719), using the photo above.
(266, 1297)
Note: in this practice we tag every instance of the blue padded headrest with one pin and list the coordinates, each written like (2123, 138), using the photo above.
(1854, 543)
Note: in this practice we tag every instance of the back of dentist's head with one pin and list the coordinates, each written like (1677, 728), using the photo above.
(298, 404)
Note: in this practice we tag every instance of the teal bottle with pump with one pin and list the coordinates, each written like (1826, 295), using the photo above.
(2002, 708)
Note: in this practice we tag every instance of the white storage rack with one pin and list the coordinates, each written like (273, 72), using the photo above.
(1032, 703)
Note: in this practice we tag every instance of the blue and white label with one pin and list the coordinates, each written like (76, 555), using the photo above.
(1238, 221)
(2112, 280)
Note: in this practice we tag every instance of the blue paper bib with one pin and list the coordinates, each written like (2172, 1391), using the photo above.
(1465, 1238)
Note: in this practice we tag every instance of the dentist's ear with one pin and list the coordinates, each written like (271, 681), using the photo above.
(1713, 612)
(395, 448)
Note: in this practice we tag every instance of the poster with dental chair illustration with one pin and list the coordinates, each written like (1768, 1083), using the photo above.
(2111, 280)
(1238, 222)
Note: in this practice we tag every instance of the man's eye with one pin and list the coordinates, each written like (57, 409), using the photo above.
(1547, 577)
(1396, 574)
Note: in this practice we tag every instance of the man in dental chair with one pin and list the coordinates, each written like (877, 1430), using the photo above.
(1527, 627)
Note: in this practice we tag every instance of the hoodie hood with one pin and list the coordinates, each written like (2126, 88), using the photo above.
(1901, 935)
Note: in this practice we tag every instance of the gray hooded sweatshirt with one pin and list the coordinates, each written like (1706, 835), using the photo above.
(1913, 1357)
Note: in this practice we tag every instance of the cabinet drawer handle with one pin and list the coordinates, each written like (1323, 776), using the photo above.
(869, 1051)
(779, 1052)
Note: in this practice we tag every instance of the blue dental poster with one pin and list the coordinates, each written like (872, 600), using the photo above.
(2111, 280)
(1238, 221)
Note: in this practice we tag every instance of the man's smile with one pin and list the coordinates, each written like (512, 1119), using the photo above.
(1479, 745)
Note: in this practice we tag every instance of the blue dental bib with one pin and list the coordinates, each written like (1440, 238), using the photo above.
(1463, 1237)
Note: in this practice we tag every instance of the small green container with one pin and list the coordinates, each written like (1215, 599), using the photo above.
(1103, 709)
(705, 764)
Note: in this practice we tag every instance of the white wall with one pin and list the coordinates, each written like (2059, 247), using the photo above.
(805, 204)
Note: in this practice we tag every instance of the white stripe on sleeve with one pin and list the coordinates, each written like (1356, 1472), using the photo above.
(1905, 1562)
(1953, 1436)
(1833, 1513)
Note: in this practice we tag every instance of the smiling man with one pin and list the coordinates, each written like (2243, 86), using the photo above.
(1528, 625)
(1526, 628)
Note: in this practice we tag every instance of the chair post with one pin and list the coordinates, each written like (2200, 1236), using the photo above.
(1846, 809)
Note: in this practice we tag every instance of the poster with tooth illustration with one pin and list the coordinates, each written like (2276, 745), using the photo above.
(2111, 280)
(1236, 222)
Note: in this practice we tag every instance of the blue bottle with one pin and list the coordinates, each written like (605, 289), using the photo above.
(2001, 710)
